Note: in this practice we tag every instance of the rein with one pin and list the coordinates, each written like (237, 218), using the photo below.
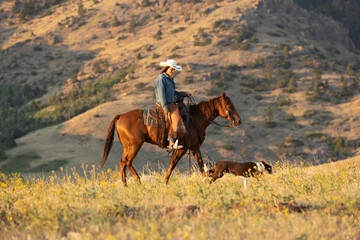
(193, 102)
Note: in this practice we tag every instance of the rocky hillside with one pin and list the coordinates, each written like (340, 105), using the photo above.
(292, 74)
(346, 12)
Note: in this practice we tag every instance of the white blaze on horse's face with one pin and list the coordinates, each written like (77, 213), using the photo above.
(230, 111)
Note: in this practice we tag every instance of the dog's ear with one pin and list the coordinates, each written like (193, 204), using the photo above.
(263, 162)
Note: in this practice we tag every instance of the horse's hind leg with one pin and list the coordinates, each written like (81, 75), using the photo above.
(123, 167)
(130, 155)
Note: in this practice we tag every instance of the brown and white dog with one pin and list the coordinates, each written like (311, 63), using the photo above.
(246, 169)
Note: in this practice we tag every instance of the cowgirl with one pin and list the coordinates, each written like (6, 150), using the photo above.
(166, 97)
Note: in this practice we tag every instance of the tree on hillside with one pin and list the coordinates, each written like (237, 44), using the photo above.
(345, 91)
(81, 10)
(286, 52)
(268, 74)
(292, 85)
(115, 22)
(350, 69)
(267, 122)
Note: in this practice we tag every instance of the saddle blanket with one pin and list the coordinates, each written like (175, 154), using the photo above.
(151, 117)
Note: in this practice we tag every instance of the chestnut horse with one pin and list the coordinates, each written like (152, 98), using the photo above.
(132, 133)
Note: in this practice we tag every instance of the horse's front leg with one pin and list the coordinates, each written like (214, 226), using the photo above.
(175, 157)
(200, 162)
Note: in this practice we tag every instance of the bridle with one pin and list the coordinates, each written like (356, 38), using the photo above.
(193, 102)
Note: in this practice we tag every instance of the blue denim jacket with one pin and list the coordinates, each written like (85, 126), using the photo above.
(165, 91)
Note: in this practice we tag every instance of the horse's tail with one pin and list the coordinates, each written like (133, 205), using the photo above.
(109, 140)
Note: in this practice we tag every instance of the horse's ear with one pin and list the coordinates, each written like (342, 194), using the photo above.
(223, 95)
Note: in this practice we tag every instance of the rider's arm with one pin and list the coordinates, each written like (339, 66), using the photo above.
(161, 93)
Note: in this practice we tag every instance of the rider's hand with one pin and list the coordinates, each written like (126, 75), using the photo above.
(188, 94)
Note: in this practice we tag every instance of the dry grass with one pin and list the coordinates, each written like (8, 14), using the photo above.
(296, 202)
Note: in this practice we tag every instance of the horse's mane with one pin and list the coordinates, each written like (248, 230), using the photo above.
(194, 107)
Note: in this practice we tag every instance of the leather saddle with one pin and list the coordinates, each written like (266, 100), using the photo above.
(155, 117)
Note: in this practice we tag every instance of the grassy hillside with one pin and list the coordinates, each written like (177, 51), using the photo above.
(297, 202)
(293, 76)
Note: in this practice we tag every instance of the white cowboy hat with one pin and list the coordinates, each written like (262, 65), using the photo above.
(171, 63)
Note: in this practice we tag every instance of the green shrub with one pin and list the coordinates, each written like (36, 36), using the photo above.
(174, 56)
(158, 35)
(313, 135)
(188, 79)
(257, 63)
(37, 48)
(269, 124)
(202, 43)
(122, 37)
(268, 73)
(273, 34)
(145, 3)
(115, 22)
(281, 84)
(81, 10)
(133, 24)
(309, 113)
(100, 65)
(155, 55)
(286, 52)
(290, 117)
(339, 147)
(232, 67)
(175, 48)
(245, 91)
(291, 85)
(140, 85)
(254, 39)
(286, 64)
(228, 147)
(176, 30)
(258, 97)
(283, 102)
(222, 24)
(294, 141)
(244, 45)
(219, 84)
